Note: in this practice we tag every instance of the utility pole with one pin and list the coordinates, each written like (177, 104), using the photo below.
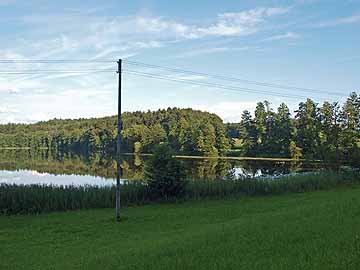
(119, 128)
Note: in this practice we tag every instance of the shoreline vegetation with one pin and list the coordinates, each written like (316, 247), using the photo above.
(230, 157)
(35, 199)
(194, 156)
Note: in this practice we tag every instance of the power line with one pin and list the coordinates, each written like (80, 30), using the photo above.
(149, 75)
(44, 72)
(233, 79)
(153, 75)
(58, 70)
(54, 61)
(211, 85)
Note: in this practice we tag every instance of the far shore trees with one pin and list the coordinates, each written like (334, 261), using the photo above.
(328, 131)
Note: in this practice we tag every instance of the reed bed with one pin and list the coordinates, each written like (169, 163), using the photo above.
(35, 199)
(262, 187)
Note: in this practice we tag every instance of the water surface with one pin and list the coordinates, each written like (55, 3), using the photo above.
(44, 167)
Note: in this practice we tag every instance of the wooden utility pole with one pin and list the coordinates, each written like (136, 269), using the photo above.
(119, 128)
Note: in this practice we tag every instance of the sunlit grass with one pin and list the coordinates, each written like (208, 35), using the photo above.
(318, 230)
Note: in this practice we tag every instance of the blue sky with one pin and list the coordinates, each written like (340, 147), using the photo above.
(304, 43)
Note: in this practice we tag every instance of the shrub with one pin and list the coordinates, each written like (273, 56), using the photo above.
(164, 174)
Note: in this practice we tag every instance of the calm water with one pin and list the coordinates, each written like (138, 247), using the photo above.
(26, 167)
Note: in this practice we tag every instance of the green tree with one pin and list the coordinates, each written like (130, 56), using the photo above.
(350, 125)
(260, 124)
(295, 151)
(248, 134)
(165, 174)
(308, 128)
(283, 131)
(330, 130)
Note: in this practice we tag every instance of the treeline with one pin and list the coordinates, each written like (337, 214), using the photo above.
(328, 132)
(187, 131)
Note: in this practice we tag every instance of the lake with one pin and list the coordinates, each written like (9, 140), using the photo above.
(44, 167)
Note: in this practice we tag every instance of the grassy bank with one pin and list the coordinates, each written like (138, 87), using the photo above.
(38, 199)
(296, 231)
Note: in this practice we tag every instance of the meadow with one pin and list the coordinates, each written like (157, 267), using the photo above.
(315, 230)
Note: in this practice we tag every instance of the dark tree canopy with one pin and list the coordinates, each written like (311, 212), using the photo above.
(328, 132)
(187, 131)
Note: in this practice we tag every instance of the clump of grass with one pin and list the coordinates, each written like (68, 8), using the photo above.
(33, 199)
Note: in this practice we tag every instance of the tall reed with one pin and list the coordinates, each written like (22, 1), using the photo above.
(34, 199)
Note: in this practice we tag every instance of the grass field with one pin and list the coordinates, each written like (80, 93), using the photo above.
(317, 230)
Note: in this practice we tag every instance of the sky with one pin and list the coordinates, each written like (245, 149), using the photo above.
(311, 44)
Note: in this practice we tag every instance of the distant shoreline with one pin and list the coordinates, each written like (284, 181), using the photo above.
(193, 157)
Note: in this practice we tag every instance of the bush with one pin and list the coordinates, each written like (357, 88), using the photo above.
(164, 174)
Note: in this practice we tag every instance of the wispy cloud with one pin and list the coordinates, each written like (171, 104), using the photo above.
(288, 35)
(7, 109)
(229, 111)
(12, 90)
(109, 36)
(338, 21)
(210, 51)
(227, 24)
(74, 34)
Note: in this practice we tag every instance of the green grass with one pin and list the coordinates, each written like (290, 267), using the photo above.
(34, 199)
(318, 230)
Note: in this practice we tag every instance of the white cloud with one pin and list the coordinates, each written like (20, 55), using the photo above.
(288, 35)
(81, 35)
(7, 109)
(36, 117)
(229, 111)
(15, 84)
(227, 24)
(239, 23)
(12, 90)
(339, 21)
(211, 51)
(99, 36)
(159, 24)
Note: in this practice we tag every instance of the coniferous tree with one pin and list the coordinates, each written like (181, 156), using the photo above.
(283, 131)
(260, 124)
(248, 134)
(330, 129)
(308, 128)
(350, 121)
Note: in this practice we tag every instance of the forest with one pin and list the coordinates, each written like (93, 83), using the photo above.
(328, 131)
(187, 131)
